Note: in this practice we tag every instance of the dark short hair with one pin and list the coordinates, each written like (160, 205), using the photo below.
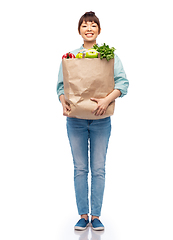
(89, 17)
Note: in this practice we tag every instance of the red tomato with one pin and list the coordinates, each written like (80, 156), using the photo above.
(65, 55)
(71, 55)
(68, 55)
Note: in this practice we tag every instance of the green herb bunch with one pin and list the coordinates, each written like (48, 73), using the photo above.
(105, 51)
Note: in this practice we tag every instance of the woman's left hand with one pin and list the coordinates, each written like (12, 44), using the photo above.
(102, 104)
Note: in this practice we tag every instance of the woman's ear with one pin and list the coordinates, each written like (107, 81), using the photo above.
(100, 31)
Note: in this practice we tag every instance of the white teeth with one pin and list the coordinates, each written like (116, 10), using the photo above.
(89, 34)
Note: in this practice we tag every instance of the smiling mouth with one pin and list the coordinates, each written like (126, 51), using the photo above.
(89, 34)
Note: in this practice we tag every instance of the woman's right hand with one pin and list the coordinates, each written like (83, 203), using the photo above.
(66, 109)
(65, 105)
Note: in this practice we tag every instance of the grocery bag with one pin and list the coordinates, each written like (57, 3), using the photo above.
(86, 78)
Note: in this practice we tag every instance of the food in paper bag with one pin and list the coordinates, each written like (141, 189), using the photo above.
(86, 78)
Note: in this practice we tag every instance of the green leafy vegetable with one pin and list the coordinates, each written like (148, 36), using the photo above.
(105, 51)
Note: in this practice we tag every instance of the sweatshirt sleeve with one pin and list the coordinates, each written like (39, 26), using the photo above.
(60, 84)
(121, 82)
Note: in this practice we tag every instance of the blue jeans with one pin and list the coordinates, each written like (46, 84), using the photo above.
(89, 140)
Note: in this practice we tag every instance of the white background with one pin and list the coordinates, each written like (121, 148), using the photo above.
(36, 172)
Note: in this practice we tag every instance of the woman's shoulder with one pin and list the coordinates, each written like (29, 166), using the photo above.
(75, 52)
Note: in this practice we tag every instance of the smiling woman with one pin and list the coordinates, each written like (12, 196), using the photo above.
(95, 131)
(89, 17)
(89, 29)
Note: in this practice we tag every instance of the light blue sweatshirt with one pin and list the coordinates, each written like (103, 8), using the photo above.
(121, 82)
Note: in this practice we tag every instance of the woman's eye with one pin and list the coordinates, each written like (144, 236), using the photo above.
(94, 26)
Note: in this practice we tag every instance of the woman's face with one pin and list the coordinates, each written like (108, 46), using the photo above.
(89, 31)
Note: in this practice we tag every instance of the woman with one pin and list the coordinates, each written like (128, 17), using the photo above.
(92, 135)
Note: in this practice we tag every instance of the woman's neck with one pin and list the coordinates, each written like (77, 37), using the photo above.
(89, 45)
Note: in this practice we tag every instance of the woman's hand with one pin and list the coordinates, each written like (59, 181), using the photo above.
(102, 104)
(65, 105)
(66, 109)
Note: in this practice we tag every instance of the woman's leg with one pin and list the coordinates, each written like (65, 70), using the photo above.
(99, 137)
(78, 137)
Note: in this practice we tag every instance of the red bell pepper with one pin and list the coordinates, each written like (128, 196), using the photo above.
(68, 55)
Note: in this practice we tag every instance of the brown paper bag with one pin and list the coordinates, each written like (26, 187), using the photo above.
(86, 78)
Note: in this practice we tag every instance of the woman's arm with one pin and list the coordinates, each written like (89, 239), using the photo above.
(121, 81)
(60, 84)
(120, 88)
(65, 105)
(103, 103)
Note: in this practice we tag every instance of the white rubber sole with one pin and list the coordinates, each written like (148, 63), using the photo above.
(81, 228)
(98, 229)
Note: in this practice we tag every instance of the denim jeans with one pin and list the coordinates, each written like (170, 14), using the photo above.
(89, 141)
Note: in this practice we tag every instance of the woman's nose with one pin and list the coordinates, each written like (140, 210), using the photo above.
(89, 28)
